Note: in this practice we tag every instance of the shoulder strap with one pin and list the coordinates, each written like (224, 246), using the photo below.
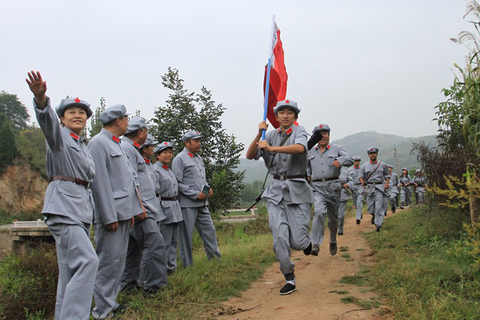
(371, 173)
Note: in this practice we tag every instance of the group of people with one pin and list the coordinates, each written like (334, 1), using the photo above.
(309, 171)
(138, 209)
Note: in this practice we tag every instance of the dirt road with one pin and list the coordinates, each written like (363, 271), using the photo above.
(319, 292)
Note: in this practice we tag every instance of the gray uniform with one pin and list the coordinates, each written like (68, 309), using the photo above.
(288, 196)
(146, 262)
(189, 170)
(392, 192)
(420, 189)
(68, 209)
(344, 196)
(406, 191)
(326, 188)
(115, 197)
(170, 206)
(375, 188)
(357, 189)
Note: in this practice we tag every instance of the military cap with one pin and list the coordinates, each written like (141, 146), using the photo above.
(404, 169)
(372, 150)
(162, 146)
(112, 113)
(418, 171)
(286, 104)
(69, 102)
(192, 135)
(136, 124)
(390, 166)
(150, 141)
(322, 127)
(357, 158)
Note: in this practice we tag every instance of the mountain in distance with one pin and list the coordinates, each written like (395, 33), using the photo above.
(356, 145)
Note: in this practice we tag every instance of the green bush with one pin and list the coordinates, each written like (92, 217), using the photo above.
(28, 283)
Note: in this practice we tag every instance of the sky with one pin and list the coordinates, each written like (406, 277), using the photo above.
(372, 65)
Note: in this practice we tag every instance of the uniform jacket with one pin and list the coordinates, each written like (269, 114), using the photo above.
(168, 186)
(394, 183)
(375, 181)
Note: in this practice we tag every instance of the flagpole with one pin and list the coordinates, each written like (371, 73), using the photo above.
(267, 83)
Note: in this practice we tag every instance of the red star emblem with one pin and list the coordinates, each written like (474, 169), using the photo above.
(321, 126)
(287, 101)
(77, 100)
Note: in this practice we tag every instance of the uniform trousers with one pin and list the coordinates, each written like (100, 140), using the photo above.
(419, 195)
(112, 251)
(359, 202)
(146, 263)
(341, 215)
(405, 196)
(376, 205)
(289, 227)
(393, 200)
(325, 204)
(77, 266)
(170, 235)
(199, 218)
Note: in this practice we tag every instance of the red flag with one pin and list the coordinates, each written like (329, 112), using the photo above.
(278, 77)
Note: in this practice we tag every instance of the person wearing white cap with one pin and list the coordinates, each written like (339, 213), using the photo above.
(168, 186)
(406, 190)
(325, 162)
(114, 192)
(419, 181)
(193, 194)
(374, 177)
(288, 196)
(68, 205)
(146, 264)
(355, 185)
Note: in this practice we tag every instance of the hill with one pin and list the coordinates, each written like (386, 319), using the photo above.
(357, 144)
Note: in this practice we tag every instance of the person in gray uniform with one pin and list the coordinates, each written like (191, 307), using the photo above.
(419, 181)
(114, 192)
(392, 191)
(68, 204)
(344, 196)
(355, 186)
(325, 163)
(193, 194)
(168, 186)
(147, 151)
(146, 248)
(406, 188)
(288, 196)
(372, 176)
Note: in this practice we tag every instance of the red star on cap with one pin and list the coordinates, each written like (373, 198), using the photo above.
(321, 126)
(287, 101)
(77, 100)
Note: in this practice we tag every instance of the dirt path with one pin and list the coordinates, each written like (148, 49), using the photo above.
(316, 278)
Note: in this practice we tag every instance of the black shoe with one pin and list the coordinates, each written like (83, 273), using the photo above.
(170, 272)
(373, 220)
(308, 250)
(150, 292)
(378, 229)
(120, 309)
(340, 233)
(401, 207)
(333, 248)
(315, 250)
(287, 289)
(385, 213)
(358, 221)
(393, 210)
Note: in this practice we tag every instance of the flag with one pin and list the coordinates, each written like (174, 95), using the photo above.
(278, 76)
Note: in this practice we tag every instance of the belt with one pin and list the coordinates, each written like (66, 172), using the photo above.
(84, 183)
(326, 179)
(169, 198)
(374, 182)
(285, 177)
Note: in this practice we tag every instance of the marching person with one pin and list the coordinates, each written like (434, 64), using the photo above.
(355, 186)
(372, 176)
(419, 181)
(193, 194)
(114, 192)
(342, 205)
(288, 196)
(406, 190)
(168, 186)
(146, 247)
(392, 191)
(325, 163)
(68, 205)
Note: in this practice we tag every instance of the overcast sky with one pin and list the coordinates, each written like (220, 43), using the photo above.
(355, 65)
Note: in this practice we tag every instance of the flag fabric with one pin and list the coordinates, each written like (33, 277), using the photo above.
(278, 76)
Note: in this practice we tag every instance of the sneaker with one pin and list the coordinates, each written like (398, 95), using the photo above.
(373, 220)
(378, 229)
(333, 248)
(287, 289)
(315, 250)
(308, 250)
(393, 210)
(401, 207)
(358, 221)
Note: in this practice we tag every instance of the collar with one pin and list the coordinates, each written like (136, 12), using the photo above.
(356, 167)
(164, 166)
(136, 145)
(74, 136)
(146, 160)
(110, 135)
(190, 155)
(373, 162)
(288, 131)
(326, 148)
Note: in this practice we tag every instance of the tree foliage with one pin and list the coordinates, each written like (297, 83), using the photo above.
(8, 151)
(95, 123)
(14, 110)
(184, 111)
(31, 147)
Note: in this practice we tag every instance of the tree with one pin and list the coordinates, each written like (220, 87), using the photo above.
(31, 147)
(186, 111)
(95, 123)
(8, 151)
(14, 110)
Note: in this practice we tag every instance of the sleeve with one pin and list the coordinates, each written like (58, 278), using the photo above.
(301, 138)
(132, 162)
(48, 121)
(178, 167)
(385, 171)
(101, 188)
(344, 158)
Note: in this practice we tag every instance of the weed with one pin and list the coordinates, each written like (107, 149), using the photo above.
(342, 249)
(349, 299)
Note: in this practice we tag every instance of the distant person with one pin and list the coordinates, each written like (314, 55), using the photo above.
(355, 186)
(146, 150)
(168, 199)
(193, 194)
(288, 196)
(342, 205)
(114, 191)
(392, 191)
(68, 205)
(325, 163)
(419, 181)
(406, 189)
(146, 248)
(372, 176)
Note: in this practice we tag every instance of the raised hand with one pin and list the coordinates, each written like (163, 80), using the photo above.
(37, 86)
